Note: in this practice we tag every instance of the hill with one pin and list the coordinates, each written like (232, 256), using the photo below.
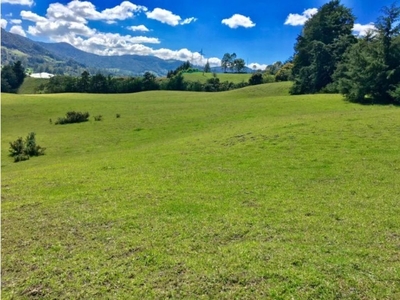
(32, 55)
(245, 194)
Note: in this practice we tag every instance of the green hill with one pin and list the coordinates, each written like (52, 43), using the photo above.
(31, 85)
(246, 194)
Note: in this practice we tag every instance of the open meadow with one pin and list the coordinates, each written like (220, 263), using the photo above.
(230, 77)
(246, 194)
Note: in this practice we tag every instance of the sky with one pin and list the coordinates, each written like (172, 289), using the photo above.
(260, 32)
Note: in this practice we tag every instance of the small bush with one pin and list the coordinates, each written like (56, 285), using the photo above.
(21, 150)
(73, 117)
(98, 118)
(118, 116)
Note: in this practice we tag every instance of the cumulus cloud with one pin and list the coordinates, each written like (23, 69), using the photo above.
(19, 2)
(70, 23)
(139, 28)
(167, 17)
(17, 29)
(362, 30)
(238, 21)
(298, 20)
(3, 23)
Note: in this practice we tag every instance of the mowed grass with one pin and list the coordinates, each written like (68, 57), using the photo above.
(246, 194)
(230, 77)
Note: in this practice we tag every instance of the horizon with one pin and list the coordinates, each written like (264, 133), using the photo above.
(261, 34)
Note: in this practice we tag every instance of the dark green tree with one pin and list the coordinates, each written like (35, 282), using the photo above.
(12, 76)
(318, 50)
(207, 68)
(256, 78)
(370, 69)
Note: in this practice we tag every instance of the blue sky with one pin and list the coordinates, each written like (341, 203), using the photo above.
(259, 31)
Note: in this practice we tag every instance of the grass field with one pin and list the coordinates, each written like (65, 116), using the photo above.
(246, 194)
(230, 77)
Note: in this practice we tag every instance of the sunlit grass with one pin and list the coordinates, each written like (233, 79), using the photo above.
(243, 194)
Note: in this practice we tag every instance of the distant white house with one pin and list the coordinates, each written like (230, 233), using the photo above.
(41, 75)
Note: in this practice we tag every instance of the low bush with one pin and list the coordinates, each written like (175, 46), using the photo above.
(98, 118)
(21, 150)
(73, 117)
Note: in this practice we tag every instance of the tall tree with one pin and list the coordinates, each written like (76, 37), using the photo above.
(318, 50)
(239, 64)
(370, 69)
(225, 61)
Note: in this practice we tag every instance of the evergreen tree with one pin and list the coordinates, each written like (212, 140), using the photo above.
(318, 50)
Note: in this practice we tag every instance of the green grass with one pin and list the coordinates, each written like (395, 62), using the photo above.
(230, 77)
(246, 194)
(31, 85)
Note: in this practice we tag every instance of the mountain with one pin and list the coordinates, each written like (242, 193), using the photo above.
(123, 65)
(62, 58)
(32, 55)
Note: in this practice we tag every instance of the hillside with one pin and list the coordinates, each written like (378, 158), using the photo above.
(245, 194)
(32, 55)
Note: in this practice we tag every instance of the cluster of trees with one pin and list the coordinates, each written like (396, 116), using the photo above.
(12, 76)
(231, 62)
(329, 58)
(99, 83)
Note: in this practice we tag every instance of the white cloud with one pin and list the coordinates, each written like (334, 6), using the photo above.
(188, 21)
(164, 16)
(238, 20)
(257, 66)
(362, 30)
(167, 17)
(16, 21)
(3, 23)
(19, 2)
(138, 28)
(298, 20)
(16, 29)
(30, 16)
(70, 23)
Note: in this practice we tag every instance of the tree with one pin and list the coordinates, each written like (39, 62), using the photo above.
(370, 69)
(256, 78)
(284, 73)
(12, 77)
(84, 82)
(239, 64)
(318, 50)
(225, 61)
(207, 68)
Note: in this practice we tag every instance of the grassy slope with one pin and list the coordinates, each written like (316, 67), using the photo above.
(248, 193)
(31, 85)
(230, 77)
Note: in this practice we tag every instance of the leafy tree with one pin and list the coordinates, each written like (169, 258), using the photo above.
(256, 78)
(318, 50)
(12, 76)
(149, 82)
(84, 82)
(225, 61)
(284, 73)
(239, 64)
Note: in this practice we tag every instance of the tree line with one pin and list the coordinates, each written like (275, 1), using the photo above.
(330, 58)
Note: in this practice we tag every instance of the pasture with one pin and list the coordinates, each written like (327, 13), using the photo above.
(246, 194)
(230, 77)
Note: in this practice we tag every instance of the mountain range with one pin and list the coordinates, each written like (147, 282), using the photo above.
(62, 58)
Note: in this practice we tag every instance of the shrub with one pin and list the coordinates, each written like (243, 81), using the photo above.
(21, 150)
(118, 116)
(73, 117)
(98, 118)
